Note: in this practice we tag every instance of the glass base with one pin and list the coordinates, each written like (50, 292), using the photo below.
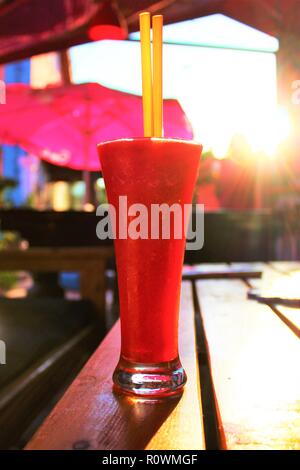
(149, 380)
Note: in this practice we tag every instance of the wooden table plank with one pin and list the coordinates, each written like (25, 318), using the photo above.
(284, 266)
(267, 272)
(249, 265)
(203, 271)
(52, 259)
(91, 416)
(222, 270)
(252, 268)
(292, 315)
(254, 360)
(274, 272)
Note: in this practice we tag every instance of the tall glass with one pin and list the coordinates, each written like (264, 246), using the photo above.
(149, 172)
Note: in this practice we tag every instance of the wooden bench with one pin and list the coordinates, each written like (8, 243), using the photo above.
(90, 262)
(253, 354)
(47, 341)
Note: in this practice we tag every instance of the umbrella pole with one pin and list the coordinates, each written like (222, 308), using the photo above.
(65, 67)
(88, 190)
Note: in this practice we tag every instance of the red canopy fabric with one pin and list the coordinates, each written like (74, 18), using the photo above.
(29, 27)
(63, 125)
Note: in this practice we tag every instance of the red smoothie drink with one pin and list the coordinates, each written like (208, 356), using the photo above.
(160, 175)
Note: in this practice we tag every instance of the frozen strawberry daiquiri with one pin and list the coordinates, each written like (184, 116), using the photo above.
(149, 171)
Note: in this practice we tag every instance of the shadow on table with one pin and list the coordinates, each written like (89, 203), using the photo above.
(138, 421)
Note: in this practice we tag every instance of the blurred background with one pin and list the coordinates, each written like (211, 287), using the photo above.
(224, 75)
(232, 70)
(70, 78)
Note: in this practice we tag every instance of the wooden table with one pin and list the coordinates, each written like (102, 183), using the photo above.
(254, 356)
(90, 416)
(90, 262)
(253, 353)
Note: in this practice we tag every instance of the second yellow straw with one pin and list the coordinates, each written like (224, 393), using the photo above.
(157, 29)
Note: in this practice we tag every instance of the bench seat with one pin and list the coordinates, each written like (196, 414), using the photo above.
(46, 340)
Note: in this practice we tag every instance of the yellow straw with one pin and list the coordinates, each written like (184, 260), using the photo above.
(157, 27)
(146, 72)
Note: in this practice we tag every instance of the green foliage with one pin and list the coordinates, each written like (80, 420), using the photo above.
(7, 280)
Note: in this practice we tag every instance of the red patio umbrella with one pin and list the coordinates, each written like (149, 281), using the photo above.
(63, 125)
